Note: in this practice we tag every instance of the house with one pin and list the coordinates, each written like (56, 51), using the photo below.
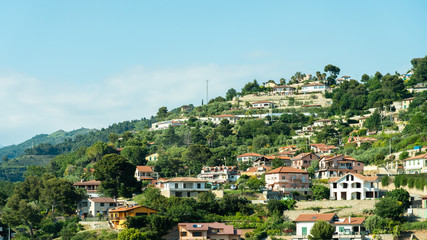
(322, 122)
(256, 171)
(406, 102)
(340, 81)
(337, 166)
(314, 87)
(248, 157)
(354, 186)
(152, 157)
(117, 216)
(218, 118)
(213, 231)
(322, 148)
(287, 180)
(146, 173)
(287, 148)
(183, 187)
(270, 84)
(416, 164)
(263, 104)
(284, 90)
(360, 140)
(93, 206)
(91, 187)
(165, 125)
(303, 160)
(345, 228)
(286, 160)
(219, 174)
(262, 161)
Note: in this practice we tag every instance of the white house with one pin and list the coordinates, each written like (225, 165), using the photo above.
(152, 157)
(248, 157)
(93, 206)
(219, 174)
(165, 125)
(263, 104)
(146, 173)
(284, 90)
(345, 228)
(353, 186)
(183, 187)
(322, 122)
(314, 87)
(416, 164)
(218, 118)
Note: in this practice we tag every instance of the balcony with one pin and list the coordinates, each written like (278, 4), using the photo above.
(188, 189)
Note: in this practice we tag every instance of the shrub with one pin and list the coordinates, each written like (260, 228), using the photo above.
(385, 180)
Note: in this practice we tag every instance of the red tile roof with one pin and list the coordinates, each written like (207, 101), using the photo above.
(87, 183)
(225, 115)
(286, 170)
(250, 155)
(255, 169)
(102, 200)
(421, 156)
(144, 168)
(358, 175)
(351, 221)
(315, 217)
(272, 157)
(125, 209)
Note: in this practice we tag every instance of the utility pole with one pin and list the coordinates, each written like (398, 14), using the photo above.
(207, 91)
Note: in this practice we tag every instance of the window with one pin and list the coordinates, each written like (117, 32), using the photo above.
(342, 229)
(197, 234)
(112, 204)
(176, 185)
(102, 204)
(183, 234)
(188, 194)
(185, 185)
(303, 179)
(283, 177)
(334, 185)
(293, 177)
(199, 185)
(344, 185)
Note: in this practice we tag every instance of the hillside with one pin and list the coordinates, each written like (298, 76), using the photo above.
(14, 169)
(54, 138)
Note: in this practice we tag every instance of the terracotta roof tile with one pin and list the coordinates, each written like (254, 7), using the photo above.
(250, 155)
(286, 170)
(421, 156)
(315, 217)
(87, 183)
(102, 200)
(144, 168)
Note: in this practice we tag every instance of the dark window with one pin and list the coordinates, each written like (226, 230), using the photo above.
(197, 234)
(112, 204)
(183, 234)
(334, 185)
(102, 204)
(344, 185)
(188, 194)
(141, 214)
(176, 185)
(185, 185)
(199, 185)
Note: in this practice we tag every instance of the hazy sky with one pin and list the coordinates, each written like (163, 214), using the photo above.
(72, 64)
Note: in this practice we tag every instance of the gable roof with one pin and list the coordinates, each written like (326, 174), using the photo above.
(358, 175)
(102, 200)
(421, 156)
(87, 183)
(224, 116)
(314, 84)
(144, 168)
(250, 155)
(315, 217)
(281, 157)
(286, 170)
(262, 102)
(227, 229)
(255, 169)
(184, 179)
(302, 155)
(351, 221)
(125, 209)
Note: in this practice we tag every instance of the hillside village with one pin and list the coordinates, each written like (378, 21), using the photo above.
(318, 156)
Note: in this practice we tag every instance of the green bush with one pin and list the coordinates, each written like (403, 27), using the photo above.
(385, 181)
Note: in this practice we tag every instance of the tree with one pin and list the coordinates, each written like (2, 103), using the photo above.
(320, 192)
(224, 128)
(403, 155)
(196, 156)
(231, 93)
(254, 183)
(260, 141)
(20, 211)
(373, 122)
(130, 234)
(97, 150)
(420, 71)
(389, 208)
(385, 181)
(333, 70)
(60, 194)
(162, 113)
(117, 176)
(400, 195)
(365, 78)
(135, 154)
(321, 230)
(375, 222)
(276, 207)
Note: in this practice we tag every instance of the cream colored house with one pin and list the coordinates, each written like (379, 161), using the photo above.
(152, 157)
(212, 231)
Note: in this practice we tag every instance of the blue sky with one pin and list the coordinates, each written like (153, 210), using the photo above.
(71, 64)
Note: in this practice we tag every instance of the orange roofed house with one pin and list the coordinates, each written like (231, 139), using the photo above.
(91, 187)
(345, 228)
(212, 231)
(287, 180)
(337, 166)
(145, 173)
(248, 157)
(118, 215)
(303, 160)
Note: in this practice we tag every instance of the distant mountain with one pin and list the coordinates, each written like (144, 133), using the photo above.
(1, 146)
(54, 138)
